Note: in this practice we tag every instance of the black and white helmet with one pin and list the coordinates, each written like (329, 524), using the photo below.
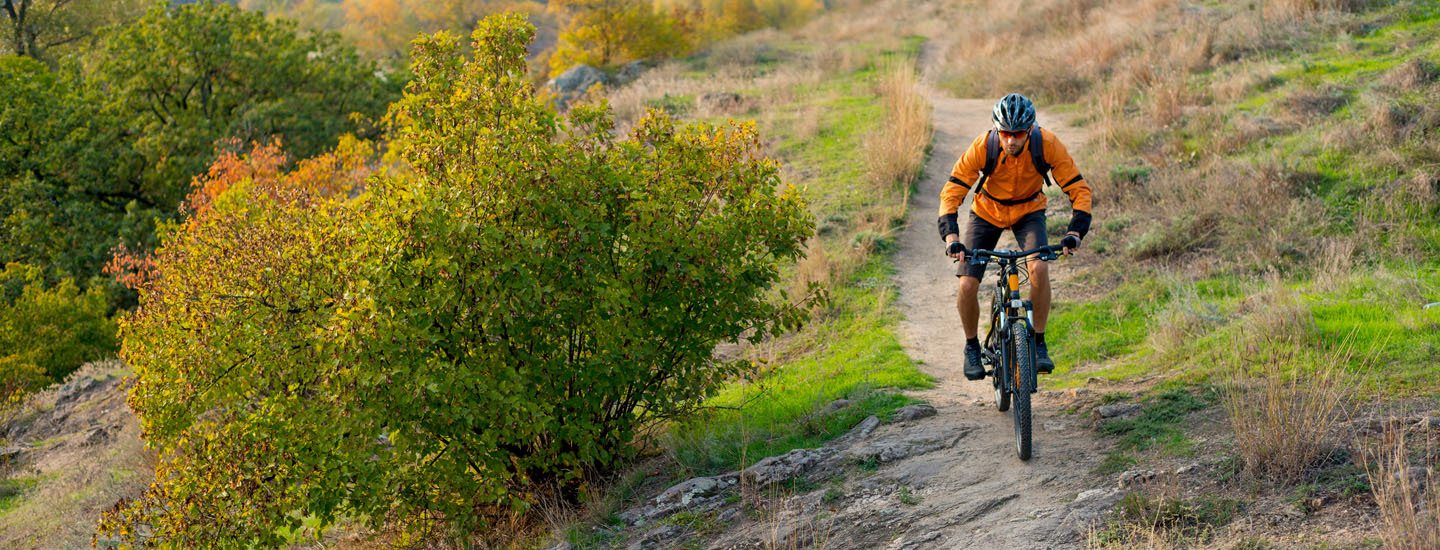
(1013, 113)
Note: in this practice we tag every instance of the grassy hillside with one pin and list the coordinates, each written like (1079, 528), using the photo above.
(1267, 170)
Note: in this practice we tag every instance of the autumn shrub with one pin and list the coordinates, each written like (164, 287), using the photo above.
(48, 330)
(504, 313)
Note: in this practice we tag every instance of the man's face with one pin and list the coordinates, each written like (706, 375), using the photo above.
(1014, 142)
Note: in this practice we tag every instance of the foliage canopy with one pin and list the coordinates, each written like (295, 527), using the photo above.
(508, 310)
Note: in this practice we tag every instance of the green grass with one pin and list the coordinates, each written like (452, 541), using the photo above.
(14, 489)
(1161, 420)
(1080, 333)
(863, 355)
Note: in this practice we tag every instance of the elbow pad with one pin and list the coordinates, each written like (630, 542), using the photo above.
(1079, 223)
(949, 224)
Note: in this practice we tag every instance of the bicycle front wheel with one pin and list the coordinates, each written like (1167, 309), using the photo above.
(1022, 376)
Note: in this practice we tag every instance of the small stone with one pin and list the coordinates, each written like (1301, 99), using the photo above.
(10, 455)
(779, 469)
(835, 406)
(1112, 411)
(868, 425)
(1135, 478)
(95, 436)
(719, 101)
(914, 412)
(1191, 467)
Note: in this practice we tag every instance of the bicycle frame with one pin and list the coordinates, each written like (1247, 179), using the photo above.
(1010, 343)
(1005, 310)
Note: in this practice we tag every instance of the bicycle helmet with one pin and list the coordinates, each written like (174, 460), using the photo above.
(1013, 113)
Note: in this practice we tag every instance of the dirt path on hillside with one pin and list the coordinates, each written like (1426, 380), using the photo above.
(982, 465)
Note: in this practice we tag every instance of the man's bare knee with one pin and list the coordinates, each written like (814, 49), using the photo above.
(969, 286)
(1040, 271)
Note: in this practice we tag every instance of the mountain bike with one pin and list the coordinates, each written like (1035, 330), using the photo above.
(1009, 346)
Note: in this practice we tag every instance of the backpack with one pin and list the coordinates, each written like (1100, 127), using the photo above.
(992, 155)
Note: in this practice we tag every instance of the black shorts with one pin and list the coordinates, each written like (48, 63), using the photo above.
(1029, 232)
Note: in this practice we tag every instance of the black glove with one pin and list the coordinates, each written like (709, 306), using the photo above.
(955, 247)
(1070, 241)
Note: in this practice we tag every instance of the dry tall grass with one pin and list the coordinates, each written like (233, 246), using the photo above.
(1408, 494)
(1285, 406)
(896, 153)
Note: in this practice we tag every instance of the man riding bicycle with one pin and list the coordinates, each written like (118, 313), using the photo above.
(1008, 195)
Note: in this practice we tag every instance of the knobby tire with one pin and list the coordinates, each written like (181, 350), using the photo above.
(1025, 368)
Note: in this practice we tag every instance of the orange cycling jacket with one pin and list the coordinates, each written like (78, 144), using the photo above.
(1013, 190)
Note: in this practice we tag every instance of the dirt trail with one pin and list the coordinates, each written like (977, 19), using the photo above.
(983, 464)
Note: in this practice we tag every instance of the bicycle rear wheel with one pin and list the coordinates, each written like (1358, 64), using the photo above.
(1022, 376)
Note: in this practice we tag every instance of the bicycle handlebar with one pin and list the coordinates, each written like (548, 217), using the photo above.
(978, 256)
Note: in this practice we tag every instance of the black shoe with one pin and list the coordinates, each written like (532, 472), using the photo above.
(974, 369)
(1043, 364)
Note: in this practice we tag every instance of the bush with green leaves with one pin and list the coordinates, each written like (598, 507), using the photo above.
(47, 330)
(509, 310)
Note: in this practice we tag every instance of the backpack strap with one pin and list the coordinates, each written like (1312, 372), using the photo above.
(992, 155)
(1037, 155)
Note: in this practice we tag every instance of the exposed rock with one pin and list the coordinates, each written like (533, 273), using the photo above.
(574, 82)
(718, 102)
(684, 492)
(835, 406)
(95, 436)
(687, 494)
(77, 390)
(1191, 467)
(1121, 409)
(914, 412)
(902, 446)
(630, 72)
(779, 469)
(11, 455)
(1136, 478)
(866, 426)
(1090, 506)
(980, 508)
(577, 79)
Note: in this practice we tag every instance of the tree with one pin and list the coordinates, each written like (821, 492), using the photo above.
(180, 79)
(71, 186)
(37, 26)
(506, 311)
(607, 32)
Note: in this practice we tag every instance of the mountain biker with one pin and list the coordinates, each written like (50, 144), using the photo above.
(1009, 197)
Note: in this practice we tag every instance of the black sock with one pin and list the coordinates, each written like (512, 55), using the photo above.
(1039, 338)
(975, 342)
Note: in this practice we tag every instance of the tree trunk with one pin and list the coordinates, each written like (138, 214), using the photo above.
(17, 27)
